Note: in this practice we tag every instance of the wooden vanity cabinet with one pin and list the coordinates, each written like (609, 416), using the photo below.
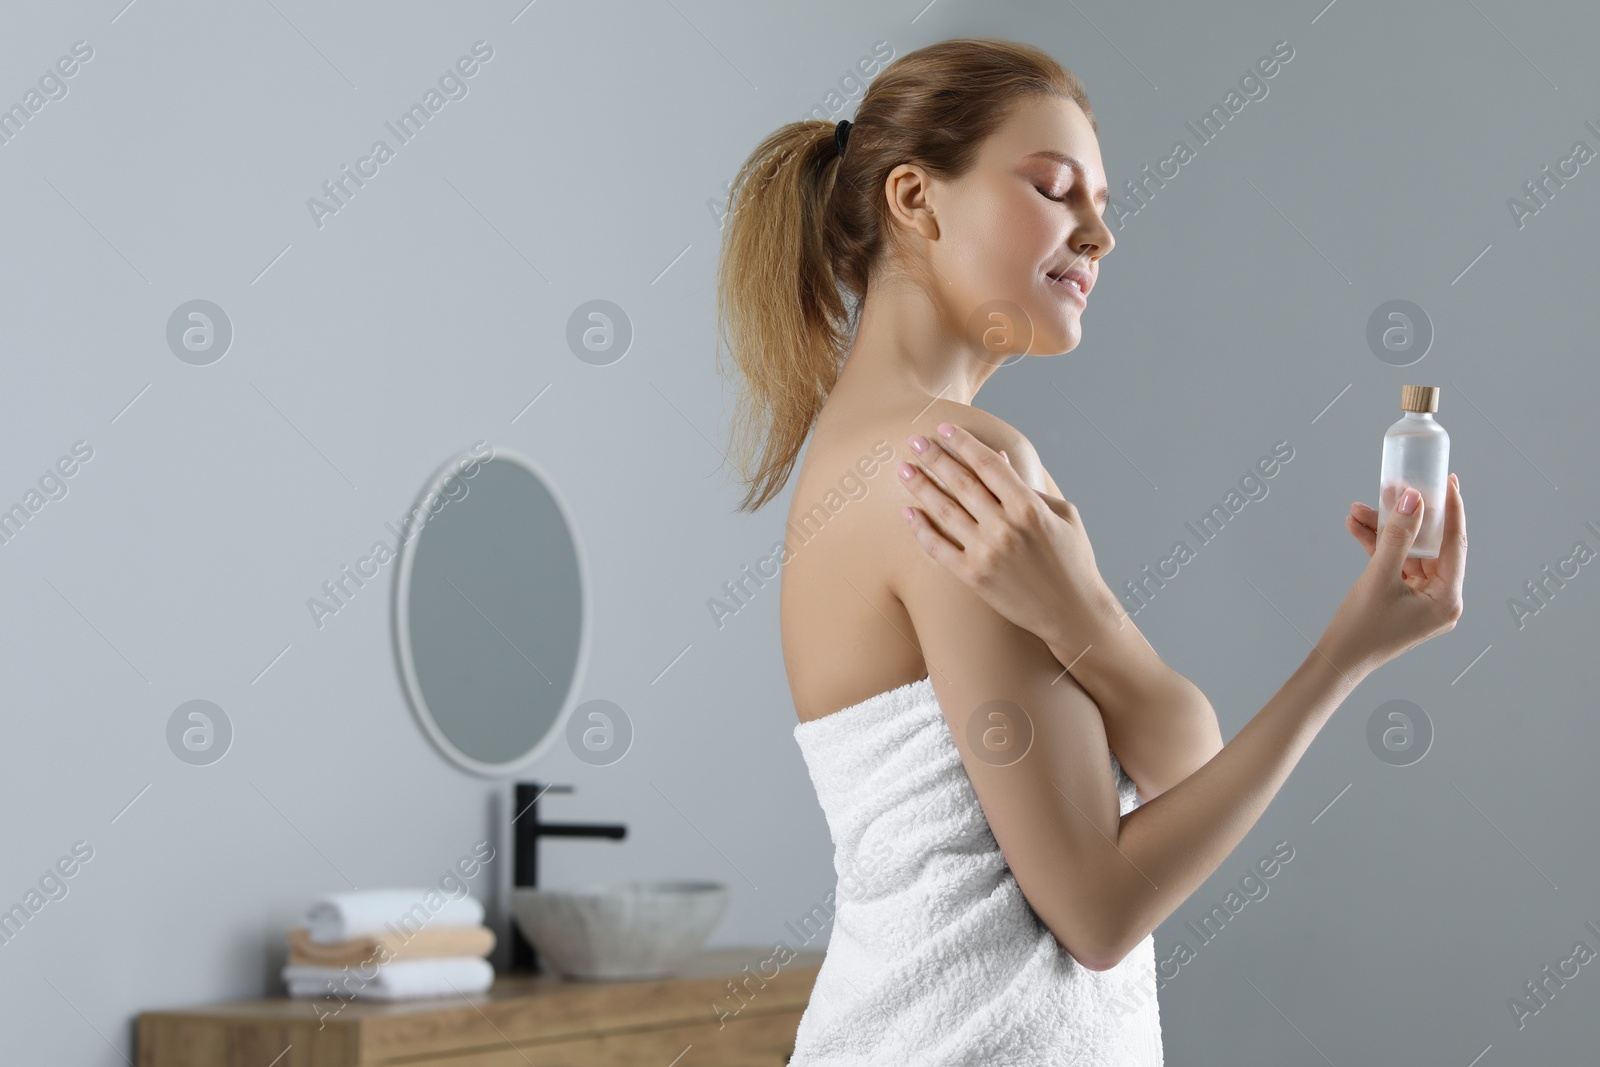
(536, 1020)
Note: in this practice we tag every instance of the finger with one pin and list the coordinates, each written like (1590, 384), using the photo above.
(1414, 567)
(937, 505)
(932, 541)
(1397, 535)
(997, 475)
(1362, 532)
(1453, 541)
(963, 486)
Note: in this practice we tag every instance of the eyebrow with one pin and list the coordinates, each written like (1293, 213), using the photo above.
(1101, 196)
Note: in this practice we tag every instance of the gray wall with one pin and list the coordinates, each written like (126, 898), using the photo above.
(587, 161)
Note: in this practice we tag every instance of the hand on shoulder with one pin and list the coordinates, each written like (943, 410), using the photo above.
(993, 431)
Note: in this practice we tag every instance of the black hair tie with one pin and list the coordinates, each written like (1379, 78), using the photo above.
(841, 134)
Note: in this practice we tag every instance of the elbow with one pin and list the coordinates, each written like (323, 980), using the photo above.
(1106, 961)
(1095, 957)
(1082, 959)
(1096, 929)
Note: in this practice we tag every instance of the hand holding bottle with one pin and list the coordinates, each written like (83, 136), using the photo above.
(1416, 453)
(1399, 601)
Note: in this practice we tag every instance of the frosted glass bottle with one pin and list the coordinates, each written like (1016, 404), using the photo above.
(1416, 455)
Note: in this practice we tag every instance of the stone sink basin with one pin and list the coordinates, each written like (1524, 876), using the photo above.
(628, 930)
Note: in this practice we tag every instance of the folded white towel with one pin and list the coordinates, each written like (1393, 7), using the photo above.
(342, 916)
(401, 980)
(936, 957)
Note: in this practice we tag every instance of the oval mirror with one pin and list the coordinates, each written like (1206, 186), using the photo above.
(491, 611)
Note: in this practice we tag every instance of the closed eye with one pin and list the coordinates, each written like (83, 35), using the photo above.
(1063, 199)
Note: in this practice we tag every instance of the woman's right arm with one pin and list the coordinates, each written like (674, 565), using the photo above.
(1382, 616)
(1102, 882)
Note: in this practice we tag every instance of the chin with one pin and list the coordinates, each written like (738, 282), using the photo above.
(1057, 335)
(1060, 345)
(1054, 329)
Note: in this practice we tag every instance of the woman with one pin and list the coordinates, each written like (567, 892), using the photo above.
(1018, 788)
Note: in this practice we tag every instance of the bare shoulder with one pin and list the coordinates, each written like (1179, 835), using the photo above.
(862, 456)
(849, 555)
(993, 431)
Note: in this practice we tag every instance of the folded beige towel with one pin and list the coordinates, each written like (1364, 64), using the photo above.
(427, 943)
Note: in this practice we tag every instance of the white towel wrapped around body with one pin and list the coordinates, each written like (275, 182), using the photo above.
(935, 957)
(442, 976)
(343, 916)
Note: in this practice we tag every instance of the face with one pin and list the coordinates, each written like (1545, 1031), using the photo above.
(1030, 209)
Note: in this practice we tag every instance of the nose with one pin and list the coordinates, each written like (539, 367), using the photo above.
(1093, 239)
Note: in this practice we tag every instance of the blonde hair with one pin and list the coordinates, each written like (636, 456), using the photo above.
(806, 227)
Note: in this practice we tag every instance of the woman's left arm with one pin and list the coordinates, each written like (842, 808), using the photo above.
(1027, 554)
(1160, 719)
(1160, 725)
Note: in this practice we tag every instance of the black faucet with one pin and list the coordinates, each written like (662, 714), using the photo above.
(526, 829)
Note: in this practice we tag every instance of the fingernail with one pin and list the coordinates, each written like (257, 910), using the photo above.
(907, 512)
(945, 429)
(919, 443)
(1408, 502)
(905, 470)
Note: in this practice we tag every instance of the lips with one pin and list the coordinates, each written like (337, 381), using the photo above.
(1074, 277)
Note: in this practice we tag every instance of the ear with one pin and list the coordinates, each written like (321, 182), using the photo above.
(907, 188)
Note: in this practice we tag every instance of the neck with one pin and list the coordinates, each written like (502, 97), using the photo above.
(904, 346)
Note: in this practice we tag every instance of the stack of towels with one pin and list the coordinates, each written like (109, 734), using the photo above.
(390, 944)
